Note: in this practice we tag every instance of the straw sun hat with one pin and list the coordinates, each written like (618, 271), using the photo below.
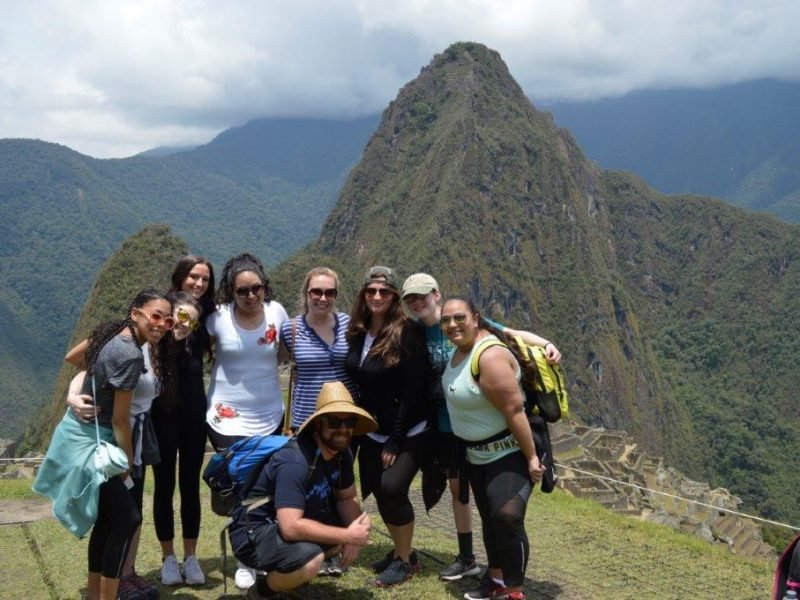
(335, 398)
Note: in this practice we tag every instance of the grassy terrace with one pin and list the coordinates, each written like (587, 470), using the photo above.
(578, 550)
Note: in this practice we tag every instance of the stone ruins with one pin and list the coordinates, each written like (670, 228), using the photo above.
(613, 454)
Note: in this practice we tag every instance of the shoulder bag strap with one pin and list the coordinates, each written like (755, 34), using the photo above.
(287, 416)
(474, 365)
(94, 399)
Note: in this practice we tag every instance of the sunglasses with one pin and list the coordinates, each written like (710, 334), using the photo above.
(157, 319)
(371, 292)
(185, 319)
(411, 298)
(244, 291)
(336, 422)
(318, 293)
(458, 319)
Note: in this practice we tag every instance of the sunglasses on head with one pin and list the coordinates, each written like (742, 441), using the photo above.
(244, 291)
(184, 318)
(337, 422)
(318, 293)
(371, 292)
(157, 319)
(458, 319)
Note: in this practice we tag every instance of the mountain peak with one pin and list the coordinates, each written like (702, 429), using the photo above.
(461, 134)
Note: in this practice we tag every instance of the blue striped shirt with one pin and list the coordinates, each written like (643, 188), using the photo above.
(317, 363)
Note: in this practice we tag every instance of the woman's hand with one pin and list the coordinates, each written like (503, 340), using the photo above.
(552, 354)
(83, 407)
(535, 469)
(387, 459)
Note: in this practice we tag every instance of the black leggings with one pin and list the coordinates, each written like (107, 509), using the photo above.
(117, 521)
(501, 490)
(185, 434)
(390, 486)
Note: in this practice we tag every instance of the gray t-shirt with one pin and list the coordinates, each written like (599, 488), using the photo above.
(118, 367)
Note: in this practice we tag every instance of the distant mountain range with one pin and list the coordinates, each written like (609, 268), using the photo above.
(265, 187)
(739, 142)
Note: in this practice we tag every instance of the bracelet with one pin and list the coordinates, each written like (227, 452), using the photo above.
(548, 344)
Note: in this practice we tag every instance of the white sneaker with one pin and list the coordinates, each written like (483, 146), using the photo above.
(192, 571)
(244, 578)
(170, 572)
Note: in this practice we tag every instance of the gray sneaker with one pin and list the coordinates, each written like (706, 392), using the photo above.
(397, 572)
(379, 566)
(335, 568)
(461, 567)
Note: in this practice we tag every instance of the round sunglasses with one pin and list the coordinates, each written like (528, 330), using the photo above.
(185, 319)
(157, 319)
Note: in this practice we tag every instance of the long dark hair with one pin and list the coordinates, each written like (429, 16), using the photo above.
(181, 271)
(159, 355)
(239, 264)
(176, 352)
(388, 342)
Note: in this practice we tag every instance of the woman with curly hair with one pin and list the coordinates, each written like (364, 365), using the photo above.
(388, 361)
(180, 421)
(115, 363)
(157, 381)
(244, 395)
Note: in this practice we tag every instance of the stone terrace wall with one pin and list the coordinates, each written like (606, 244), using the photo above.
(613, 454)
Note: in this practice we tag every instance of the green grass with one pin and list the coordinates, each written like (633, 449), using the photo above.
(578, 550)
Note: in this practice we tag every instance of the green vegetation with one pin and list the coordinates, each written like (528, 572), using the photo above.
(144, 260)
(578, 550)
(265, 187)
(673, 314)
(739, 142)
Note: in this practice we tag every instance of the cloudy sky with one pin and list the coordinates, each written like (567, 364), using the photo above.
(113, 78)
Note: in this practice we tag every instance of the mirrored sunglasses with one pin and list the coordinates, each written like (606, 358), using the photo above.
(185, 319)
(458, 319)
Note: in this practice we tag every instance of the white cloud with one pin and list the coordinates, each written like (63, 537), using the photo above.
(114, 78)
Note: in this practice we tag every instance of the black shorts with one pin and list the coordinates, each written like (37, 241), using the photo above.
(446, 453)
(264, 549)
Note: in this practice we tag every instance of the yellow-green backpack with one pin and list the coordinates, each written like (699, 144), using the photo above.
(543, 383)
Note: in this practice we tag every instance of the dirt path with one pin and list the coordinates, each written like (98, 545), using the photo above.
(24, 511)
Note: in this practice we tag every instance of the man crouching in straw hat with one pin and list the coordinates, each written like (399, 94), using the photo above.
(313, 512)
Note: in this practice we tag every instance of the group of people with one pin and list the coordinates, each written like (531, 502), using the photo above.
(387, 384)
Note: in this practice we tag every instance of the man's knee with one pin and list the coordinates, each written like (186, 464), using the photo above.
(281, 582)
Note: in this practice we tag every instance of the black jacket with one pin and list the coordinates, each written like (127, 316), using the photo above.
(397, 397)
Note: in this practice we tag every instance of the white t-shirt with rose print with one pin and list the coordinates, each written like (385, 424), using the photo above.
(244, 396)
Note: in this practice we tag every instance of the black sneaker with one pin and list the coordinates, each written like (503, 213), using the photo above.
(397, 572)
(379, 566)
(488, 590)
(461, 567)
